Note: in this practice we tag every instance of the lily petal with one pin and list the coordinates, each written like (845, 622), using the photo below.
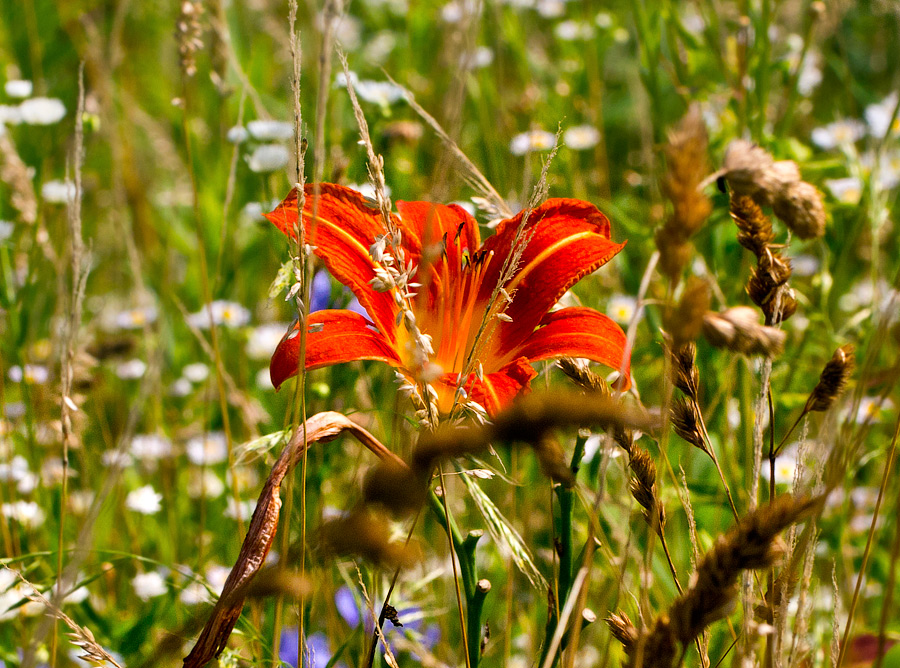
(578, 332)
(567, 239)
(498, 389)
(444, 236)
(334, 336)
(343, 230)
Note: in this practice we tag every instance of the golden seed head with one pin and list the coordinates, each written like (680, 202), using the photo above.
(685, 321)
(833, 380)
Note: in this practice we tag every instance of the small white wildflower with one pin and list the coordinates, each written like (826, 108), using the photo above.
(604, 20)
(196, 372)
(581, 137)
(80, 501)
(382, 93)
(204, 484)
(52, 471)
(150, 447)
(28, 483)
(621, 35)
(340, 79)
(194, 594)
(181, 388)
(42, 111)
(237, 134)
(131, 369)
(264, 380)
(621, 308)
(14, 470)
(149, 585)
(230, 314)
(207, 450)
(785, 469)
(368, 189)
(550, 9)
(270, 130)
(27, 513)
(6, 230)
(216, 576)
(379, 47)
(18, 88)
(570, 30)
(482, 56)
(871, 410)
(347, 30)
(144, 500)
(810, 73)
(840, 133)
(9, 115)
(805, 265)
(457, 10)
(58, 192)
(878, 116)
(889, 170)
(847, 190)
(116, 457)
(253, 211)
(264, 339)
(242, 510)
(31, 374)
(136, 318)
(733, 412)
(534, 140)
(268, 158)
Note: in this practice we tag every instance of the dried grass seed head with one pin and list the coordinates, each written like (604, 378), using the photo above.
(685, 322)
(686, 422)
(737, 329)
(684, 371)
(833, 380)
(623, 630)
(802, 209)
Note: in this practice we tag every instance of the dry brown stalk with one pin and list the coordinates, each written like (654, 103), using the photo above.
(687, 161)
(767, 286)
(320, 428)
(684, 322)
(752, 544)
(833, 380)
(751, 171)
(738, 330)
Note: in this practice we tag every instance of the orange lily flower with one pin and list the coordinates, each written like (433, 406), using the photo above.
(566, 240)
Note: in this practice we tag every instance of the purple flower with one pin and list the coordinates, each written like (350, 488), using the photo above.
(320, 291)
(346, 606)
(316, 649)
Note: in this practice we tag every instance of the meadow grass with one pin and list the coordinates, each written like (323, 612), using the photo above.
(736, 503)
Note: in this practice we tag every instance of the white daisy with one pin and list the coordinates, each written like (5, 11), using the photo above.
(270, 130)
(581, 137)
(42, 111)
(268, 158)
(144, 500)
(621, 308)
(206, 450)
(839, 133)
(878, 116)
(533, 140)
(149, 585)
(18, 88)
(58, 192)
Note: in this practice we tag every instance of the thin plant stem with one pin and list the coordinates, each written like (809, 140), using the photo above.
(453, 558)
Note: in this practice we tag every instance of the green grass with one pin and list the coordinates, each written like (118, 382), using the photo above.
(632, 79)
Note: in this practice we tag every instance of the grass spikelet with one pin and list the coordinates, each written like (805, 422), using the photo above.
(623, 630)
(684, 372)
(581, 374)
(685, 321)
(686, 422)
(753, 172)
(767, 286)
(643, 488)
(687, 161)
(752, 544)
(833, 380)
(737, 329)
